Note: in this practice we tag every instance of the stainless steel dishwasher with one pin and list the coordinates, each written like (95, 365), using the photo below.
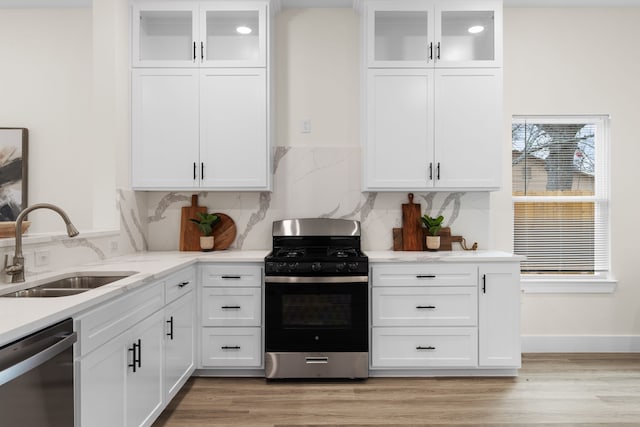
(36, 378)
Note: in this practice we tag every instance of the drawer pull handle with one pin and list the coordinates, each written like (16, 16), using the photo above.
(426, 276)
(230, 347)
(231, 277)
(183, 284)
(231, 307)
(428, 307)
(429, 347)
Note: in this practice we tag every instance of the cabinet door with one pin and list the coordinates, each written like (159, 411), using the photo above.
(233, 128)
(179, 344)
(400, 34)
(233, 34)
(164, 128)
(468, 128)
(468, 34)
(164, 34)
(399, 129)
(103, 378)
(499, 315)
(144, 386)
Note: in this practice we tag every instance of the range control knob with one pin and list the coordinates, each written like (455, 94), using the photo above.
(281, 266)
(353, 266)
(316, 266)
(341, 266)
(292, 266)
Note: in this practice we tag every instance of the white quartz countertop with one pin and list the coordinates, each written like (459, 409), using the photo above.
(22, 316)
(441, 256)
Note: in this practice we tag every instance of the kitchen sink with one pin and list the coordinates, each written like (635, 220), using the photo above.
(70, 284)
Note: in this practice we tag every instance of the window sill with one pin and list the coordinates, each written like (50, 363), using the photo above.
(568, 286)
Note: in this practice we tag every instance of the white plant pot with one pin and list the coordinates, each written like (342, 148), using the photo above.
(206, 243)
(433, 242)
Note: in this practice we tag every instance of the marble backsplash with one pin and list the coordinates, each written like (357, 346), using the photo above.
(308, 182)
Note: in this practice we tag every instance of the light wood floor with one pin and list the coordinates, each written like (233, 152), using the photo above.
(552, 389)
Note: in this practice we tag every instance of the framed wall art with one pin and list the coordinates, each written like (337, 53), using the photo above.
(13, 172)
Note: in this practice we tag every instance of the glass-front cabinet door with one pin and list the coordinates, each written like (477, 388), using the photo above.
(441, 34)
(164, 34)
(400, 34)
(206, 34)
(233, 34)
(469, 34)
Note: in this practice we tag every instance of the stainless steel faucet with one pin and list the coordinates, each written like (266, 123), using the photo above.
(16, 270)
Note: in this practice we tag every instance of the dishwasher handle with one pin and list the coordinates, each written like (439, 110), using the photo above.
(26, 365)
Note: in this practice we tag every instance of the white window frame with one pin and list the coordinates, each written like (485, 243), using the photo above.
(602, 282)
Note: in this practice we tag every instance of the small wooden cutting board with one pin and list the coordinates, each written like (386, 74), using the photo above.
(411, 226)
(189, 233)
(224, 232)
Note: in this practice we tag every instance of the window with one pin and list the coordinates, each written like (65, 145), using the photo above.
(560, 202)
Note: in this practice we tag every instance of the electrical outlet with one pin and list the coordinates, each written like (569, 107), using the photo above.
(306, 126)
(113, 246)
(42, 258)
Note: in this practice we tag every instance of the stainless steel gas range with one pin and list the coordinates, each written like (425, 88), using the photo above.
(316, 301)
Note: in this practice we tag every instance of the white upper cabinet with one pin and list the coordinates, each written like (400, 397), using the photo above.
(434, 34)
(200, 95)
(432, 104)
(199, 34)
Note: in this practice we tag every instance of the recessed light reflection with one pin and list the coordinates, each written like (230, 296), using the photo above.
(243, 30)
(476, 29)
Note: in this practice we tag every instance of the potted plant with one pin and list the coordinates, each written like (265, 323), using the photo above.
(433, 226)
(205, 223)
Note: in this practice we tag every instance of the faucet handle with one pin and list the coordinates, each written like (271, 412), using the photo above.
(12, 269)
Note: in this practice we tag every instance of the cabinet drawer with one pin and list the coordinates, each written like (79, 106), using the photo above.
(113, 317)
(231, 306)
(231, 347)
(424, 347)
(179, 284)
(425, 306)
(232, 275)
(426, 274)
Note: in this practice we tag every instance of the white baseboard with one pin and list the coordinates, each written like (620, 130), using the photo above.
(580, 343)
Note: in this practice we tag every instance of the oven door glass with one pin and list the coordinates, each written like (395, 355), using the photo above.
(316, 317)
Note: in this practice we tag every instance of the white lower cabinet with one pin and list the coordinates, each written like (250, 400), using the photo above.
(231, 316)
(499, 315)
(121, 380)
(445, 315)
(179, 335)
(135, 352)
(179, 343)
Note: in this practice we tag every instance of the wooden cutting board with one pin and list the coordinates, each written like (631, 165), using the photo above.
(411, 226)
(224, 232)
(189, 232)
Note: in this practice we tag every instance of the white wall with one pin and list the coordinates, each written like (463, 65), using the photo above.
(579, 61)
(317, 77)
(46, 86)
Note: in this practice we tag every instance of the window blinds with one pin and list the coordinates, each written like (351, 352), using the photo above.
(560, 195)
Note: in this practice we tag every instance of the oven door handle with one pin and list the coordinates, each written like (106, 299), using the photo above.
(316, 359)
(316, 279)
